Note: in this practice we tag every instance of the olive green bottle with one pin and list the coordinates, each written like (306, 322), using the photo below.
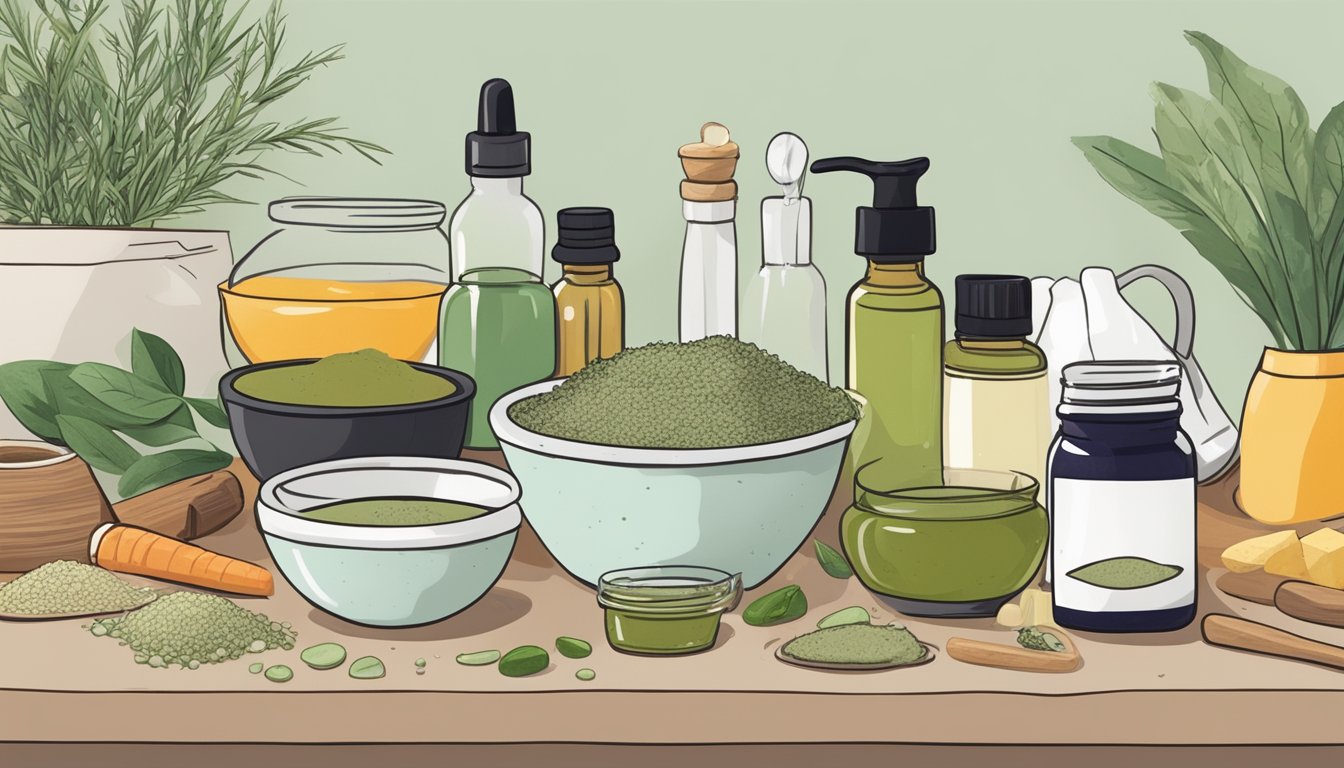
(894, 318)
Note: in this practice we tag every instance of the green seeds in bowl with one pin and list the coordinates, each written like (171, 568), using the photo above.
(713, 393)
(394, 512)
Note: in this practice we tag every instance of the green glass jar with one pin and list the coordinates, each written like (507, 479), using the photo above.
(666, 610)
(960, 549)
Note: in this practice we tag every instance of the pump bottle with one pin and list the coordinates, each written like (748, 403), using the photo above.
(894, 334)
(497, 321)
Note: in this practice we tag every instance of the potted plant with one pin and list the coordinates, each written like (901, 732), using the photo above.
(107, 129)
(1256, 191)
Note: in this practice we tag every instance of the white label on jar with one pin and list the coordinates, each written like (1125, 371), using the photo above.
(1110, 525)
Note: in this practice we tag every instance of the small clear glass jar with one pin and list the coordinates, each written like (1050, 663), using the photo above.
(340, 275)
(666, 610)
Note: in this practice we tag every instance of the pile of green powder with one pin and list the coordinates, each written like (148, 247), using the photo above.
(363, 379)
(190, 629)
(713, 393)
(65, 586)
(857, 644)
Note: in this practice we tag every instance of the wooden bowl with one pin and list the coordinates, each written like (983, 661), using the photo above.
(49, 504)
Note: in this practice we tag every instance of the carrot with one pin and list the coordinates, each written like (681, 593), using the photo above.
(128, 549)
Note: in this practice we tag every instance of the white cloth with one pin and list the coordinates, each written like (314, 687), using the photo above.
(1088, 319)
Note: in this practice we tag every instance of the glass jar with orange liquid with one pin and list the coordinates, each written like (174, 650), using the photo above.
(340, 275)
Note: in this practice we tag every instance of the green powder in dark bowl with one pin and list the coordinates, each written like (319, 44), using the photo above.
(392, 512)
(713, 393)
(364, 379)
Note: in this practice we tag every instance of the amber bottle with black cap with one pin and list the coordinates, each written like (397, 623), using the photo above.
(589, 305)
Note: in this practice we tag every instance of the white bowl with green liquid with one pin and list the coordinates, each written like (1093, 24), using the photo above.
(391, 541)
(600, 508)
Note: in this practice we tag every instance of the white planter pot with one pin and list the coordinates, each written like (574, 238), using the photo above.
(74, 294)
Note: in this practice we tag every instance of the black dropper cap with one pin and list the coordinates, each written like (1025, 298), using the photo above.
(497, 149)
(993, 306)
(587, 236)
(896, 229)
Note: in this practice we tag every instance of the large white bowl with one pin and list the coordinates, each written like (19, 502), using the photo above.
(390, 576)
(598, 508)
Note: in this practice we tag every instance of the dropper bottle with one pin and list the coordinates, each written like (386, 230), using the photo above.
(784, 309)
(589, 306)
(894, 345)
(708, 291)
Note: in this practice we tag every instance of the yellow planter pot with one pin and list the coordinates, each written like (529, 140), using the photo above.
(1292, 438)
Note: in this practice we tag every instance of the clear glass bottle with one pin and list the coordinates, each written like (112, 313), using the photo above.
(707, 295)
(895, 331)
(996, 399)
(498, 318)
(339, 275)
(784, 307)
(1122, 500)
(589, 305)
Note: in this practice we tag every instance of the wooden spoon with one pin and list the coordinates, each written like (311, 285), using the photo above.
(1243, 635)
(1014, 656)
(1256, 586)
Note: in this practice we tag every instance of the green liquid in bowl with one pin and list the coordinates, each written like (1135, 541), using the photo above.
(394, 512)
(979, 537)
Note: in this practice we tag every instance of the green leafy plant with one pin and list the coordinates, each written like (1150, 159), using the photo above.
(1252, 187)
(93, 407)
(126, 126)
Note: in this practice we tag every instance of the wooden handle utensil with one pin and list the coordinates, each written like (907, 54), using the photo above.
(1016, 657)
(1311, 602)
(1243, 635)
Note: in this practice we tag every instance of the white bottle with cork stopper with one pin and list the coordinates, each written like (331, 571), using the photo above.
(708, 292)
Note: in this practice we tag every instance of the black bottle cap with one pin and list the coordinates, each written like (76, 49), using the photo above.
(497, 149)
(587, 236)
(993, 306)
(896, 229)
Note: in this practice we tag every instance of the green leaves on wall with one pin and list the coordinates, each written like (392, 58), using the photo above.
(1246, 180)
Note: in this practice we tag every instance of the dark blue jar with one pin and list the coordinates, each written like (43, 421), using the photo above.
(1122, 500)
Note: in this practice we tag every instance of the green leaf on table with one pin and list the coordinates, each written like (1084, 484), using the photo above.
(208, 408)
(159, 469)
(832, 562)
(154, 359)
(97, 444)
(783, 605)
(71, 399)
(174, 429)
(23, 392)
(125, 392)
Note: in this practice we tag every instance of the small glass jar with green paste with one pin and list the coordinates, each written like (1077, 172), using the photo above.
(666, 610)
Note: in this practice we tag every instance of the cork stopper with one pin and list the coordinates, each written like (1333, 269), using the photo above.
(709, 165)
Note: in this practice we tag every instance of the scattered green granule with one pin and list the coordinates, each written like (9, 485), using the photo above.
(585, 674)
(279, 674)
(363, 379)
(857, 644)
(367, 668)
(478, 658)
(1125, 573)
(394, 512)
(323, 655)
(712, 393)
(420, 663)
(65, 586)
(192, 628)
(573, 647)
(1036, 639)
(256, 667)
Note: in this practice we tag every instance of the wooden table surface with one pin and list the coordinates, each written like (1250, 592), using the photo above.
(61, 684)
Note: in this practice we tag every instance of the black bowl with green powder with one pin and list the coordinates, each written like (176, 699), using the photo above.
(297, 412)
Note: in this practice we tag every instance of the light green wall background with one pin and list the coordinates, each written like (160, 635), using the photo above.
(991, 91)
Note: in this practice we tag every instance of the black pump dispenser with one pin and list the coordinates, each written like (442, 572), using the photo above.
(896, 229)
(497, 149)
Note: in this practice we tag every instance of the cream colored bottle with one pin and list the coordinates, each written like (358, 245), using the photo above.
(996, 399)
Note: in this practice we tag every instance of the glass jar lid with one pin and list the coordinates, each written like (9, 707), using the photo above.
(358, 212)
(669, 590)
(1134, 385)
